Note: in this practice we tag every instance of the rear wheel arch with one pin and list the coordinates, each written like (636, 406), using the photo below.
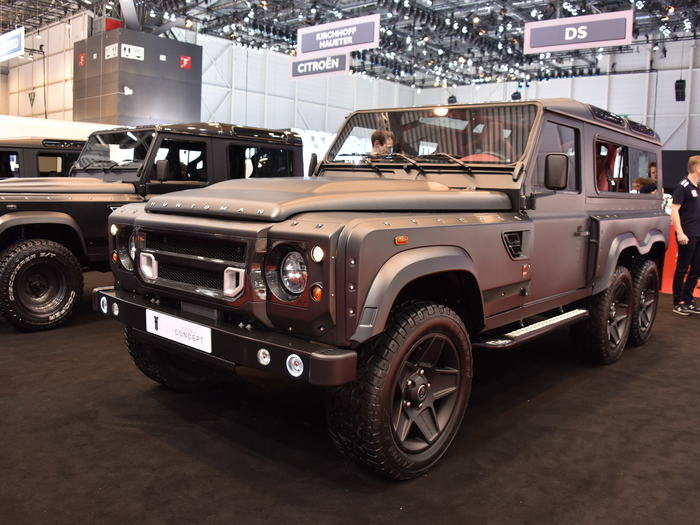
(444, 274)
(626, 250)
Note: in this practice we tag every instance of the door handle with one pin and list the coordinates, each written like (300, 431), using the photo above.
(582, 233)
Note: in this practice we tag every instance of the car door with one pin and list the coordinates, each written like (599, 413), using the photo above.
(560, 221)
(189, 164)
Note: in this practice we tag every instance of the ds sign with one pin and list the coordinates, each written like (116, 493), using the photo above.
(579, 32)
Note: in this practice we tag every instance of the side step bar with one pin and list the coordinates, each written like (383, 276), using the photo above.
(529, 332)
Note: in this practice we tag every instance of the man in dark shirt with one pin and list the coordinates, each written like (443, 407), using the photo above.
(685, 213)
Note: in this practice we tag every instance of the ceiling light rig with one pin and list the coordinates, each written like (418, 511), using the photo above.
(423, 42)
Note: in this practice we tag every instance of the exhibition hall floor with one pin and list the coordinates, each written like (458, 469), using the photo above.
(547, 438)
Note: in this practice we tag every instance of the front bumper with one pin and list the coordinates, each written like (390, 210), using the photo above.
(231, 345)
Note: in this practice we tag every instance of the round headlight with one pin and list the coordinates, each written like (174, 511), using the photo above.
(126, 247)
(293, 273)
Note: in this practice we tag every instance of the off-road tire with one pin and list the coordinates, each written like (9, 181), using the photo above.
(358, 413)
(645, 280)
(58, 267)
(591, 336)
(170, 370)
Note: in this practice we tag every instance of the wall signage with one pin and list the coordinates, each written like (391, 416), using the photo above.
(579, 32)
(185, 62)
(111, 51)
(132, 52)
(345, 35)
(306, 67)
(12, 44)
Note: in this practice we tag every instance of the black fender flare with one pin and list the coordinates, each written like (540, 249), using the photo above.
(621, 243)
(399, 271)
(24, 218)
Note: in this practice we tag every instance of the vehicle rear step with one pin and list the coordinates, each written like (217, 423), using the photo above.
(526, 333)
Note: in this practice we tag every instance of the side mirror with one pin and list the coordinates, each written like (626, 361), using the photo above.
(162, 170)
(313, 164)
(556, 171)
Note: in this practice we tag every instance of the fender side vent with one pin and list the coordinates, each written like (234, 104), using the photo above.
(514, 243)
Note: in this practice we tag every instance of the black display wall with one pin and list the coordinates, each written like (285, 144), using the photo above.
(131, 78)
(675, 166)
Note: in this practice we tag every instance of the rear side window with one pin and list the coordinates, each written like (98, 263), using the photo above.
(49, 165)
(9, 164)
(259, 162)
(624, 169)
(557, 138)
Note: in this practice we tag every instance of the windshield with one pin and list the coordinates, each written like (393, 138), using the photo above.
(121, 153)
(487, 134)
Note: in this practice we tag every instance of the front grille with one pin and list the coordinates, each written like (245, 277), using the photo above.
(207, 247)
(193, 276)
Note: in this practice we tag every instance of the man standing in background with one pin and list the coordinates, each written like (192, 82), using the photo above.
(685, 213)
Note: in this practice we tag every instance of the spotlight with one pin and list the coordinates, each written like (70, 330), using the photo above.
(452, 99)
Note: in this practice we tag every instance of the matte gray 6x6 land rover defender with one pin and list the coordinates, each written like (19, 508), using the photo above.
(54, 228)
(489, 225)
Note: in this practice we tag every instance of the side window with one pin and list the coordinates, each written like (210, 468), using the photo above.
(187, 161)
(612, 167)
(9, 164)
(49, 165)
(557, 138)
(259, 162)
(643, 171)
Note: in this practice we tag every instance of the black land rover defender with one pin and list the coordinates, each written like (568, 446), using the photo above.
(54, 228)
(488, 226)
(37, 157)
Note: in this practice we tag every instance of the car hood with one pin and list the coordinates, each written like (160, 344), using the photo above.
(62, 185)
(278, 199)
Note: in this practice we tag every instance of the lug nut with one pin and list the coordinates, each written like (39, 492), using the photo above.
(421, 371)
(409, 383)
(407, 403)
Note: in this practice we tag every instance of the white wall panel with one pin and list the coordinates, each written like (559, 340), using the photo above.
(341, 91)
(280, 112)
(311, 116)
(255, 109)
(627, 94)
(312, 89)
(255, 72)
(279, 82)
(335, 118)
(590, 90)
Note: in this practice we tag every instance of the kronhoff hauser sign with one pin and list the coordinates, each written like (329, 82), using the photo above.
(578, 32)
(345, 35)
(11, 44)
(321, 65)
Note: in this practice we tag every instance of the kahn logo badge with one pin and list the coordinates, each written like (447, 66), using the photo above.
(155, 322)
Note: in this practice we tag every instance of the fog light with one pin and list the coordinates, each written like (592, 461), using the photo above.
(317, 254)
(264, 356)
(104, 307)
(115, 309)
(115, 257)
(148, 266)
(114, 230)
(316, 292)
(295, 366)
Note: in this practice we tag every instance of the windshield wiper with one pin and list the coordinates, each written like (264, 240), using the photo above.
(466, 167)
(410, 161)
(369, 163)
